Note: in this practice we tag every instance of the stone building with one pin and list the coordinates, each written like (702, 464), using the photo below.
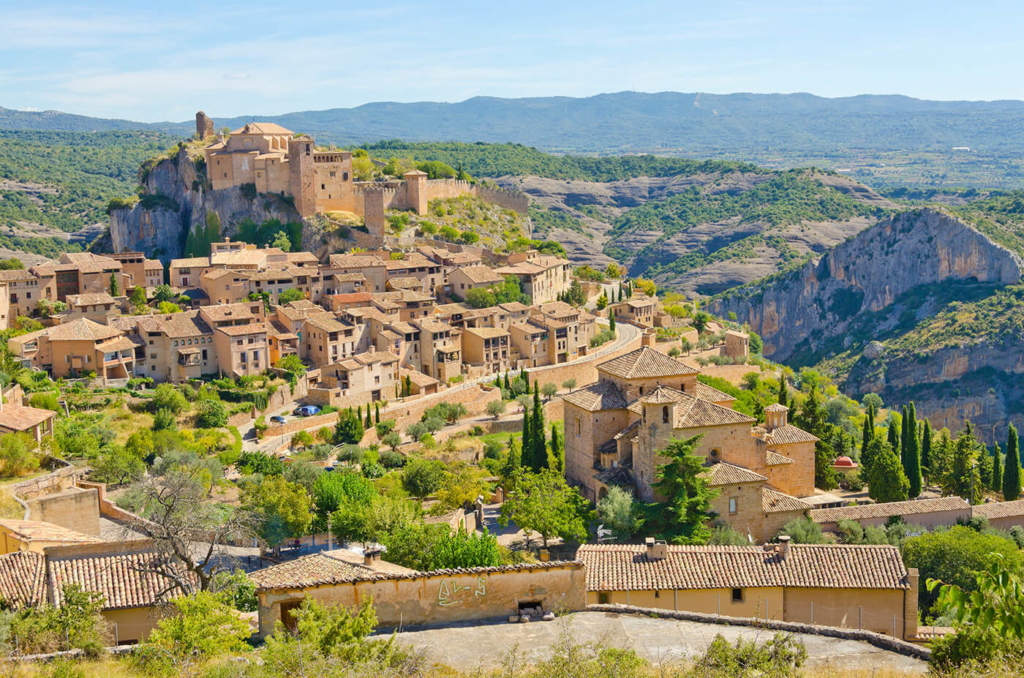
(643, 400)
(543, 277)
(859, 587)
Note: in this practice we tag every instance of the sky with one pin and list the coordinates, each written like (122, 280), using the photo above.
(157, 61)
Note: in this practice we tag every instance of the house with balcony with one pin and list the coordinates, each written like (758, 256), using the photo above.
(487, 350)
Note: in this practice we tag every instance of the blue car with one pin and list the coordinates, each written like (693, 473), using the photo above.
(277, 419)
(307, 411)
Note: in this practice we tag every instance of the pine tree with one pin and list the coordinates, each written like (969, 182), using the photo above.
(611, 320)
(996, 482)
(682, 518)
(913, 467)
(926, 448)
(1011, 469)
(556, 460)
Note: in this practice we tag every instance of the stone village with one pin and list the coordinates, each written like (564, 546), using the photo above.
(390, 327)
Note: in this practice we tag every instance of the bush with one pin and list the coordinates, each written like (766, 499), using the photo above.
(16, 455)
(391, 459)
(602, 337)
(211, 414)
(166, 397)
(320, 451)
(45, 401)
(258, 462)
(385, 427)
(164, 420)
(302, 439)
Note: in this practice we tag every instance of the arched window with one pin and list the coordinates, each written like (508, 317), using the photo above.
(664, 414)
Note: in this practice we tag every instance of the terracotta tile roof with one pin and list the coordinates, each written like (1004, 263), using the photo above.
(226, 312)
(177, 325)
(350, 277)
(887, 510)
(263, 128)
(614, 567)
(16, 275)
(386, 357)
(776, 407)
(355, 261)
(692, 412)
(602, 395)
(91, 299)
(705, 392)
(37, 530)
(514, 307)
(1000, 509)
(773, 501)
(776, 459)
(628, 431)
(191, 262)
(645, 363)
(487, 332)
(480, 275)
(405, 283)
(82, 329)
(325, 569)
(418, 377)
(121, 343)
(22, 418)
(728, 474)
(153, 265)
(237, 330)
(327, 323)
(23, 579)
(783, 435)
(302, 256)
(125, 580)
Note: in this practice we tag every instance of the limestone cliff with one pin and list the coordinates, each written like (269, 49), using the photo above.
(175, 201)
(867, 273)
(919, 307)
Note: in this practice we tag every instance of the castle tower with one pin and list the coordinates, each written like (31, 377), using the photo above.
(204, 125)
(416, 190)
(301, 175)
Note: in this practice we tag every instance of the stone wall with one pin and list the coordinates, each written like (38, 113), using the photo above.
(583, 370)
(884, 642)
(446, 596)
(74, 508)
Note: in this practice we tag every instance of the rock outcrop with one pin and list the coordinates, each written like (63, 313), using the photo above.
(867, 273)
(175, 202)
(855, 311)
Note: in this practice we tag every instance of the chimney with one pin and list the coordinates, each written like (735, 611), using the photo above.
(783, 549)
(371, 557)
(656, 549)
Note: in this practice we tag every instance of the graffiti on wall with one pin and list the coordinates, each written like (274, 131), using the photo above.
(450, 592)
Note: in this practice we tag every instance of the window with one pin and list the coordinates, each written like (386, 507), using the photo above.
(737, 595)
(641, 390)
(578, 426)
(664, 414)
(733, 509)
(602, 598)
(657, 593)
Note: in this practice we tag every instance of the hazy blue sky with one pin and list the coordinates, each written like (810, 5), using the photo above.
(164, 60)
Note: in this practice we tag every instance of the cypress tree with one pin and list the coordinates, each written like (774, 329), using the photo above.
(869, 431)
(1011, 469)
(556, 460)
(508, 387)
(376, 414)
(904, 422)
(913, 468)
(369, 420)
(539, 429)
(359, 413)
(611, 320)
(894, 438)
(926, 448)
(997, 471)
(783, 394)
(527, 444)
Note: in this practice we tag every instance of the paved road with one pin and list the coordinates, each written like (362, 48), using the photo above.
(467, 647)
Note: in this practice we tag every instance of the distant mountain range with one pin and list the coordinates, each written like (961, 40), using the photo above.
(625, 122)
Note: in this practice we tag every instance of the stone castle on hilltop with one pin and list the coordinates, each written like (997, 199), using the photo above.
(276, 160)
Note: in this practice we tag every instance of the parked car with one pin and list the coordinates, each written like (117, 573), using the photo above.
(277, 419)
(307, 411)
